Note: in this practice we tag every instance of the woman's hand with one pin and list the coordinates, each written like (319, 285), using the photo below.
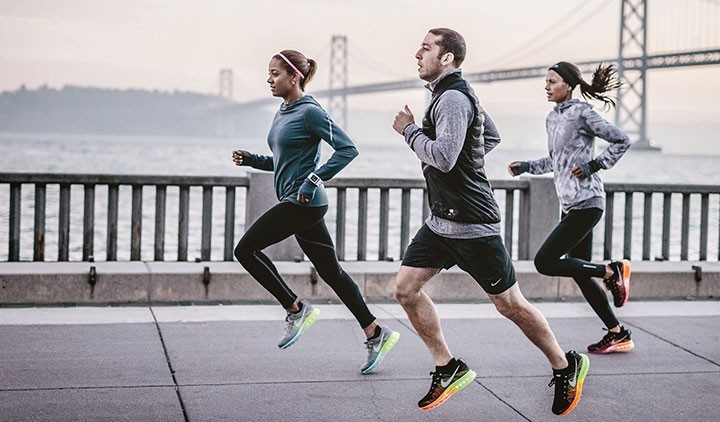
(516, 168)
(306, 192)
(578, 172)
(238, 157)
(585, 170)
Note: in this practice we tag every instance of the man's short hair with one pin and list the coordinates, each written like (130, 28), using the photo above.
(451, 42)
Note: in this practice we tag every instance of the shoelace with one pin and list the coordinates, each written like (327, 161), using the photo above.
(289, 323)
(436, 378)
(560, 379)
(608, 338)
(369, 346)
(613, 285)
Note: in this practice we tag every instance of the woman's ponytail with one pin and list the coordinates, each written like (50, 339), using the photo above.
(604, 79)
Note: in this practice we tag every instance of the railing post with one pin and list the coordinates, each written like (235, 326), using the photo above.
(229, 223)
(260, 198)
(136, 223)
(543, 214)
(206, 233)
(112, 221)
(160, 200)
(340, 223)
(15, 214)
(64, 223)
(89, 222)
(39, 229)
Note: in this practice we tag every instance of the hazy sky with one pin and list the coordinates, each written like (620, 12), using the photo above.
(183, 44)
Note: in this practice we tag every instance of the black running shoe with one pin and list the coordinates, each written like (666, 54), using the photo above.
(613, 342)
(619, 282)
(445, 385)
(568, 383)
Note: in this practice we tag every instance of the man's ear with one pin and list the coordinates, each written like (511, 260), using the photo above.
(448, 58)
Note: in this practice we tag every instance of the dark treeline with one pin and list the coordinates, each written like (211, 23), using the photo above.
(84, 110)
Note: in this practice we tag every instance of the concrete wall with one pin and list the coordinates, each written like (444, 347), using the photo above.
(170, 282)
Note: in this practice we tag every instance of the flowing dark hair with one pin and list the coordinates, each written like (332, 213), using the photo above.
(307, 67)
(451, 42)
(604, 79)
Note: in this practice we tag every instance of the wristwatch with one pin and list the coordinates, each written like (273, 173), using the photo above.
(314, 179)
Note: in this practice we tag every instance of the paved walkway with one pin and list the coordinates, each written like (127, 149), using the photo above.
(221, 363)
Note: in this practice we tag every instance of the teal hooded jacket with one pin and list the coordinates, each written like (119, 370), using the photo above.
(294, 139)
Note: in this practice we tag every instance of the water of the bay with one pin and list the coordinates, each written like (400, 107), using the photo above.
(391, 158)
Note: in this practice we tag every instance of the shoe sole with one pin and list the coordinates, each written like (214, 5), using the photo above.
(626, 282)
(389, 344)
(309, 321)
(625, 346)
(584, 367)
(452, 389)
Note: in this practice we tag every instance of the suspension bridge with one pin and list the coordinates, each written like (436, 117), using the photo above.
(633, 62)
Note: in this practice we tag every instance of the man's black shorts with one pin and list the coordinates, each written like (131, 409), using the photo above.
(484, 258)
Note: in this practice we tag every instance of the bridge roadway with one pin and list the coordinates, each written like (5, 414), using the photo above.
(657, 61)
(220, 362)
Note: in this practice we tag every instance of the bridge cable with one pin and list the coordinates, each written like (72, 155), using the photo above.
(569, 29)
(541, 34)
(367, 60)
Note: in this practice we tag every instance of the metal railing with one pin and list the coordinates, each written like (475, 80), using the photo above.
(371, 218)
(412, 196)
(113, 183)
(694, 220)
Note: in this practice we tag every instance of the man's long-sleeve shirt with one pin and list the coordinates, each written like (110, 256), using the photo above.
(452, 114)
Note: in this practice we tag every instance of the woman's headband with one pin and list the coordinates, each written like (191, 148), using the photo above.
(282, 56)
(563, 69)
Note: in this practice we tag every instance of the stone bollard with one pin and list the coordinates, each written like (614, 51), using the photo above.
(543, 213)
(260, 198)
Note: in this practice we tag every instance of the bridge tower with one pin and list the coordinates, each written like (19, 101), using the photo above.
(630, 114)
(224, 122)
(337, 105)
(226, 84)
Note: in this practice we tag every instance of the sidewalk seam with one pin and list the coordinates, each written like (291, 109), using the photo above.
(169, 363)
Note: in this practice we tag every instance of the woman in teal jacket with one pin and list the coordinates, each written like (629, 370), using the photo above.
(294, 139)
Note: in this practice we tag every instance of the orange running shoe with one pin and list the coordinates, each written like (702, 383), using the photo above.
(619, 282)
(445, 385)
(613, 342)
(568, 383)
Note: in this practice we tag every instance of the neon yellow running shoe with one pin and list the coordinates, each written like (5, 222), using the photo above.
(297, 323)
(378, 348)
(445, 385)
(569, 383)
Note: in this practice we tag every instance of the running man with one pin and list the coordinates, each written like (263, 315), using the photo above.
(464, 226)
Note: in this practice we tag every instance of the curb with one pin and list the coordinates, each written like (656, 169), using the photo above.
(139, 282)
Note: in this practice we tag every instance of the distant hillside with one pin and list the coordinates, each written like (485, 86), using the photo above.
(87, 110)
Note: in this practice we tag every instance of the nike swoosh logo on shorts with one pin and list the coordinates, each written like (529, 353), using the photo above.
(445, 384)
(495, 283)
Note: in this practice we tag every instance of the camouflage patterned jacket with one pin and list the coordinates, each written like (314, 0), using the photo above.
(572, 127)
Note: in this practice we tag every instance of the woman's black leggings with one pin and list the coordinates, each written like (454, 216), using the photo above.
(307, 224)
(573, 238)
